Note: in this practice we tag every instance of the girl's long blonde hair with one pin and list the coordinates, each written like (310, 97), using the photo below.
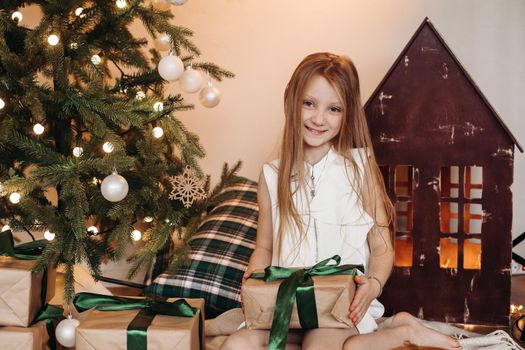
(341, 73)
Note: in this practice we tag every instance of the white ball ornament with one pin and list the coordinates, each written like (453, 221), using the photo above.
(114, 187)
(65, 331)
(162, 5)
(178, 2)
(170, 68)
(163, 42)
(210, 96)
(191, 80)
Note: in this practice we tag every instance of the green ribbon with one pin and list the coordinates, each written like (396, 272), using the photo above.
(149, 308)
(298, 285)
(26, 251)
(49, 314)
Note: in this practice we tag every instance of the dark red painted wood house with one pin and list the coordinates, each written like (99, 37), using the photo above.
(447, 160)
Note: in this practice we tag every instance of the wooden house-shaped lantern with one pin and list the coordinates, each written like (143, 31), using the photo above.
(447, 161)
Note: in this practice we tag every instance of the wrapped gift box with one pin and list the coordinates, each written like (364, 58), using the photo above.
(20, 291)
(332, 298)
(101, 330)
(30, 338)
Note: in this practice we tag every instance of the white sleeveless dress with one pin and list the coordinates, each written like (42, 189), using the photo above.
(333, 219)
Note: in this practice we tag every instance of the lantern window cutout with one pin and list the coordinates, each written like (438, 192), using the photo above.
(472, 254)
(449, 180)
(404, 245)
(472, 218)
(448, 217)
(403, 180)
(473, 182)
(448, 253)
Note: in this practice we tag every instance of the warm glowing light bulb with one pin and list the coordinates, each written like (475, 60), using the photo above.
(95, 59)
(15, 197)
(93, 230)
(148, 219)
(136, 235)
(158, 106)
(107, 147)
(6, 228)
(78, 11)
(121, 4)
(2, 103)
(157, 132)
(38, 129)
(95, 181)
(49, 235)
(52, 39)
(78, 151)
(17, 16)
(140, 95)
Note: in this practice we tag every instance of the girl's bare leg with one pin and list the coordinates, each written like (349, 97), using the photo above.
(254, 339)
(403, 329)
(326, 338)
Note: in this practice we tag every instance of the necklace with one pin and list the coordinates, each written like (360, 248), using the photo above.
(314, 185)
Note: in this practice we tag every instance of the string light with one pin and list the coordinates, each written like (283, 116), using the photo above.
(96, 59)
(157, 132)
(38, 129)
(78, 151)
(158, 106)
(2, 103)
(121, 4)
(6, 228)
(17, 16)
(49, 235)
(107, 147)
(78, 11)
(95, 181)
(93, 230)
(148, 219)
(15, 197)
(136, 235)
(140, 95)
(73, 46)
(52, 39)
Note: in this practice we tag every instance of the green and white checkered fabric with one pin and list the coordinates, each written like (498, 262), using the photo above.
(219, 253)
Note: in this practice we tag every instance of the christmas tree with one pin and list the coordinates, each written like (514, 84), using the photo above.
(84, 120)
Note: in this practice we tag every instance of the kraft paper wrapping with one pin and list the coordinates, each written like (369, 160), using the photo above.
(20, 338)
(102, 330)
(20, 291)
(332, 298)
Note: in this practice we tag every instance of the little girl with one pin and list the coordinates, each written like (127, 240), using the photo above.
(325, 196)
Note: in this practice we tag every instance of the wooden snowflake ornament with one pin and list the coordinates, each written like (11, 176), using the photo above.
(187, 187)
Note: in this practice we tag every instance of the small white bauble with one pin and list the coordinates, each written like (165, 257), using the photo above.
(65, 331)
(162, 5)
(191, 80)
(210, 96)
(178, 2)
(163, 42)
(170, 68)
(114, 187)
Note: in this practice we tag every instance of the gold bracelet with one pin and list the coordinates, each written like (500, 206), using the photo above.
(380, 285)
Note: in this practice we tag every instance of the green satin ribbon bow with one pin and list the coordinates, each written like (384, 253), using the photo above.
(298, 284)
(25, 251)
(49, 314)
(137, 329)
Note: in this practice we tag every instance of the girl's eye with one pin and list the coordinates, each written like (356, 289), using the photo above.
(308, 103)
(335, 109)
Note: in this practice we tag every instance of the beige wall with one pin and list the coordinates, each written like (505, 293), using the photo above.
(262, 42)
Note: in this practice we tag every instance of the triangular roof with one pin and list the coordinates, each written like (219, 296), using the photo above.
(426, 22)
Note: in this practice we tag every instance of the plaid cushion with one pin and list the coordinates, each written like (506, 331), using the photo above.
(219, 253)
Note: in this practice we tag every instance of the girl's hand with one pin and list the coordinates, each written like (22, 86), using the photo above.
(366, 291)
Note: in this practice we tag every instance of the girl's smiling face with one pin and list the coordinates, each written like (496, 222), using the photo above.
(322, 114)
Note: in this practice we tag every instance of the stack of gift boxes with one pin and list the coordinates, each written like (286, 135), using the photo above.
(23, 300)
(106, 322)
